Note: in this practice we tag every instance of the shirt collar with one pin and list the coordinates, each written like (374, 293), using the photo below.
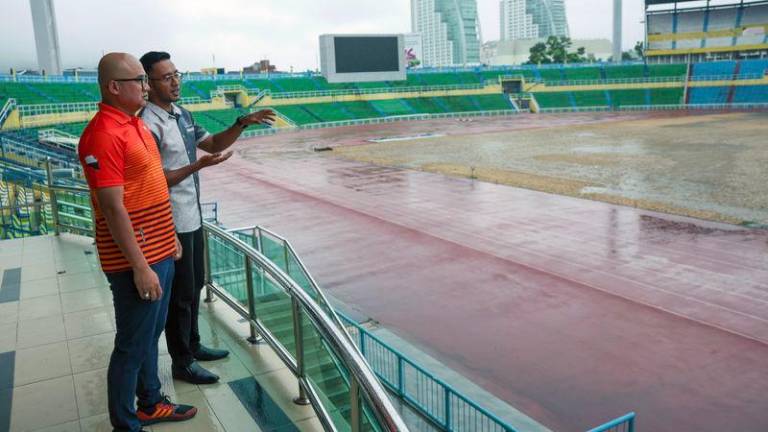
(115, 114)
(163, 114)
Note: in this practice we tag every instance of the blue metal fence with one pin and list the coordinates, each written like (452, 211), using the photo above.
(427, 394)
(625, 423)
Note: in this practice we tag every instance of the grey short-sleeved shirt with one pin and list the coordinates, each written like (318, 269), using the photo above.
(177, 138)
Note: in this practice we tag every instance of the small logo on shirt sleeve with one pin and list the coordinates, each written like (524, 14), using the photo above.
(92, 162)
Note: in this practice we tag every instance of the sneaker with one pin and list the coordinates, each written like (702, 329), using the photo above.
(165, 411)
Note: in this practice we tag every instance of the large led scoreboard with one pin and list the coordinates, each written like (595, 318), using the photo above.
(359, 58)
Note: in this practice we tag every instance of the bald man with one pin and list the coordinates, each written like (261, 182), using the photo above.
(136, 241)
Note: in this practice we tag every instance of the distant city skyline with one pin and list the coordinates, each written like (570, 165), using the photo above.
(449, 29)
(532, 19)
(197, 31)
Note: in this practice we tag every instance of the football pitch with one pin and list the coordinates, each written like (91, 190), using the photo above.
(707, 166)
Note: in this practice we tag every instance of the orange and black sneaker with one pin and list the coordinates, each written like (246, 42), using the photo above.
(165, 411)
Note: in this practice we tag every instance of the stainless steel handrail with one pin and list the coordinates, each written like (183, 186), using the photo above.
(302, 267)
(332, 335)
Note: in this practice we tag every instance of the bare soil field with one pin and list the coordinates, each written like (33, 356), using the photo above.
(712, 166)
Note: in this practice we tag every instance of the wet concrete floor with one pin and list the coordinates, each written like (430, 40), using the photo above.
(573, 311)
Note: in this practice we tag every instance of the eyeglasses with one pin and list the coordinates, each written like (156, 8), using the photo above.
(169, 77)
(141, 79)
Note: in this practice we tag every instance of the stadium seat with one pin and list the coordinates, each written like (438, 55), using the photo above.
(719, 68)
(708, 95)
(750, 94)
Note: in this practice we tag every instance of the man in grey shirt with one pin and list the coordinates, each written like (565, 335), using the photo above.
(179, 137)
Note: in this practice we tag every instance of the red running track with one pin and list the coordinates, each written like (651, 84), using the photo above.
(573, 311)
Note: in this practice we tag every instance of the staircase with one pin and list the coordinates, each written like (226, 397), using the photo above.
(276, 313)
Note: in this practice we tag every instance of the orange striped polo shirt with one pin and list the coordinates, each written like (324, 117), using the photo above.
(118, 150)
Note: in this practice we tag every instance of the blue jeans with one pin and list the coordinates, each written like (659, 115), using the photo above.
(132, 369)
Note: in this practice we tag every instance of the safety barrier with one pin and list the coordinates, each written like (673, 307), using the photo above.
(8, 106)
(380, 120)
(668, 107)
(641, 80)
(625, 423)
(409, 117)
(347, 92)
(60, 108)
(427, 394)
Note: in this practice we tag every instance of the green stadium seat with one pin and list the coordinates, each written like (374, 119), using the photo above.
(551, 74)
(667, 96)
(391, 107)
(361, 110)
(621, 98)
(553, 100)
(622, 71)
(590, 98)
(663, 70)
(582, 73)
(425, 106)
(493, 102)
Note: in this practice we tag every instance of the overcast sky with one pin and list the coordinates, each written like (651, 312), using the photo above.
(239, 32)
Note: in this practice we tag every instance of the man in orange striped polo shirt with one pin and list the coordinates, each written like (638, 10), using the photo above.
(136, 241)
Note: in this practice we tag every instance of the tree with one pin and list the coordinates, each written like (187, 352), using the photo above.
(555, 50)
(639, 49)
(539, 54)
(635, 53)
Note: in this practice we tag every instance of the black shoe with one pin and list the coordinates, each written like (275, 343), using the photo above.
(194, 374)
(209, 354)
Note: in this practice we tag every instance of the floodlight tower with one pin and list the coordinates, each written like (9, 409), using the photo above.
(617, 31)
(46, 36)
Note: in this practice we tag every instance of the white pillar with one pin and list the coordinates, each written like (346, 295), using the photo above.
(616, 31)
(46, 36)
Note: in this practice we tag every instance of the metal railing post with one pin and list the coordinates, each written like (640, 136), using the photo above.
(298, 335)
(254, 337)
(448, 419)
(355, 417)
(285, 256)
(207, 268)
(52, 193)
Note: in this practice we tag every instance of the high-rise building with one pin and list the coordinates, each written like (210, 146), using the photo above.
(450, 31)
(532, 19)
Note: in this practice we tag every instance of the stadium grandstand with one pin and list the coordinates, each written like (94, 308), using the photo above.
(65, 104)
(527, 248)
(41, 180)
(693, 31)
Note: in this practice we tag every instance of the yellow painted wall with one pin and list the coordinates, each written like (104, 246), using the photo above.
(80, 116)
(13, 121)
(652, 53)
(214, 104)
(543, 88)
(726, 83)
(48, 119)
(734, 32)
(534, 105)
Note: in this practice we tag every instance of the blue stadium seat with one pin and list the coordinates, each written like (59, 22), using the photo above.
(751, 94)
(714, 68)
(709, 95)
(749, 67)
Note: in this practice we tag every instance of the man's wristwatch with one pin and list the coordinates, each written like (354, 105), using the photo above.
(240, 123)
